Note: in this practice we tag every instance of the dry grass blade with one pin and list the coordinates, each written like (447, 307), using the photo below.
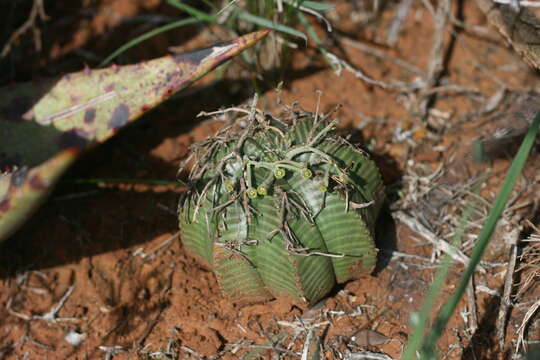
(367, 355)
(524, 324)
(440, 244)
(530, 275)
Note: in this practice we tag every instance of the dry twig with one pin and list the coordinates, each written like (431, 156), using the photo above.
(367, 355)
(340, 64)
(395, 26)
(471, 300)
(38, 9)
(381, 55)
(508, 285)
(436, 63)
(50, 316)
(110, 351)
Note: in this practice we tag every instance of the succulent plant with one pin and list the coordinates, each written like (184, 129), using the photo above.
(281, 207)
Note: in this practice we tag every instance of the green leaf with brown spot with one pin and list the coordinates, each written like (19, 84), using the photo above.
(46, 124)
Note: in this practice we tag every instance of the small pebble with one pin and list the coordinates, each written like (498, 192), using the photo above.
(75, 338)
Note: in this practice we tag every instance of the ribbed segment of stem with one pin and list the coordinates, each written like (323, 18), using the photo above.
(195, 232)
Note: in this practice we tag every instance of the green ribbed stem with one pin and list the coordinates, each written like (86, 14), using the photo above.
(292, 222)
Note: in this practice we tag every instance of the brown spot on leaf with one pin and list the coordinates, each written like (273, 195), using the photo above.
(37, 183)
(74, 99)
(5, 205)
(120, 117)
(71, 139)
(89, 116)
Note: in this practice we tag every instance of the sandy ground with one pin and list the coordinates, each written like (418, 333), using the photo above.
(103, 264)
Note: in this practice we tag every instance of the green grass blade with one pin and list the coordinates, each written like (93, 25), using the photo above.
(312, 34)
(533, 354)
(200, 15)
(269, 24)
(313, 5)
(428, 349)
(213, 5)
(146, 36)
